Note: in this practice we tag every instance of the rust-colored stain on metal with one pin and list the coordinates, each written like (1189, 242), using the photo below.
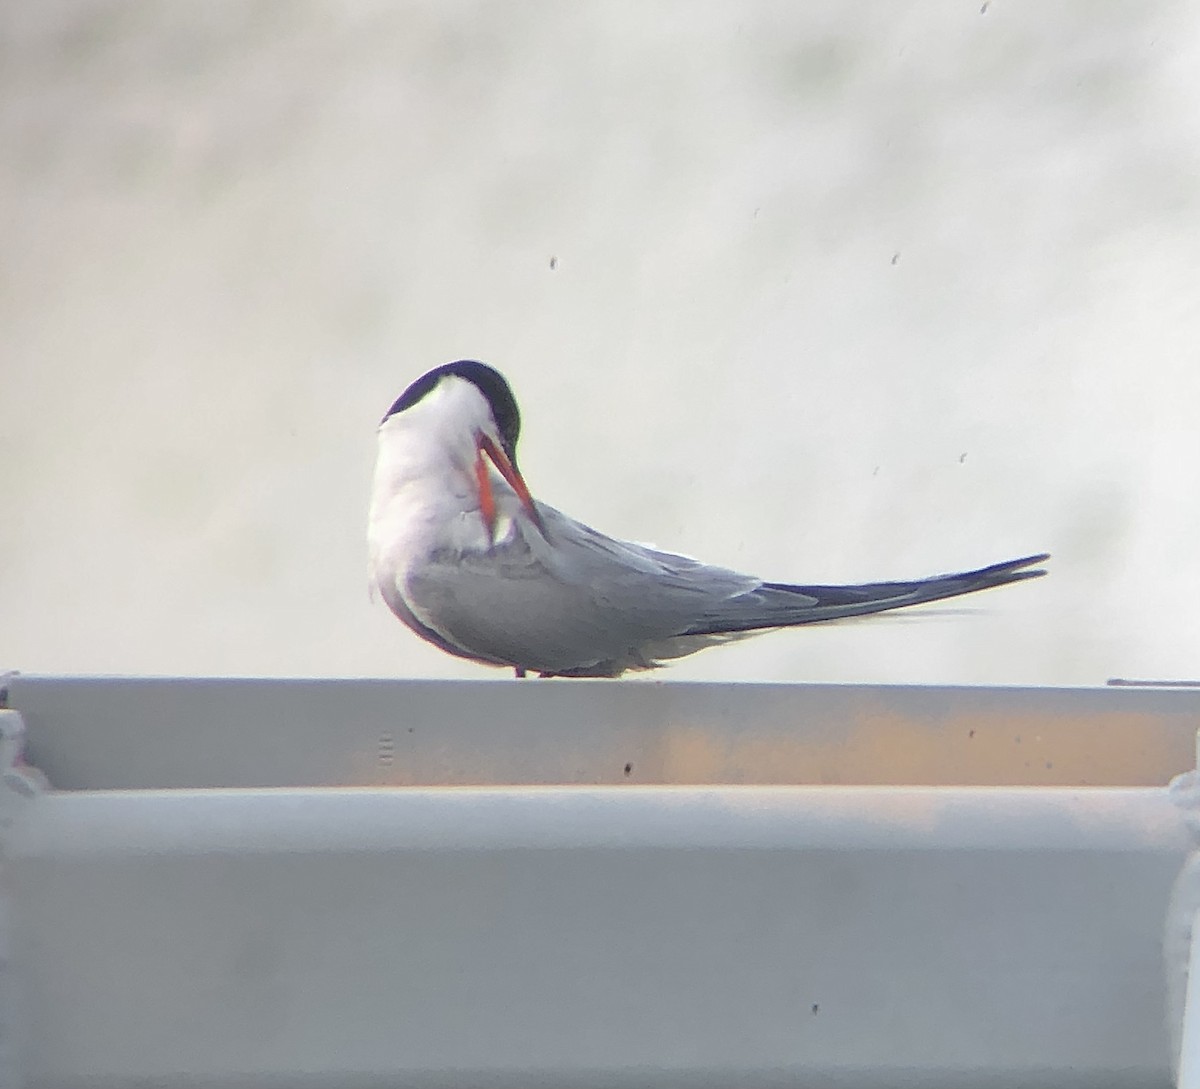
(883, 747)
(873, 746)
(819, 736)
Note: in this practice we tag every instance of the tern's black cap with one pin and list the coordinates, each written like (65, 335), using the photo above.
(489, 381)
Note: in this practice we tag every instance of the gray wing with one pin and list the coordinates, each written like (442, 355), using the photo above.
(573, 602)
(578, 602)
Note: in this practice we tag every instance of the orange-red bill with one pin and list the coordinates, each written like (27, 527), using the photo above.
(511, 474)
(487, 501)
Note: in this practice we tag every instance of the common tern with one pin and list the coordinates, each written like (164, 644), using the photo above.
(470, 561)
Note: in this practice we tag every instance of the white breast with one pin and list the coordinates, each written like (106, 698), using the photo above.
(424, 497)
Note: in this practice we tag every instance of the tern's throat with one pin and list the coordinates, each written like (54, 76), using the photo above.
(421, 473)
(428, 494)
(425, 498)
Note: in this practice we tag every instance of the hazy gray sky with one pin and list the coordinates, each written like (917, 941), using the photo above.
(824, 292)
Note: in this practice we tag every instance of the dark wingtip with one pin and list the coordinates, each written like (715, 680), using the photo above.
(819, 603)
(998, 574)
(1014, 567)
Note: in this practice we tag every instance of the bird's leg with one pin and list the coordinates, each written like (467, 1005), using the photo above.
(518, 671)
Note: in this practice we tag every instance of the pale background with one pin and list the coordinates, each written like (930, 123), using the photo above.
(822, 291)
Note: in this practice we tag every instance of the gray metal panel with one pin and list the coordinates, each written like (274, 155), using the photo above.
(595, 937)
(584, 936)
(134, 733)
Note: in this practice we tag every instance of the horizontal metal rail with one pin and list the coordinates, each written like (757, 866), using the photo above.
(170, 925)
